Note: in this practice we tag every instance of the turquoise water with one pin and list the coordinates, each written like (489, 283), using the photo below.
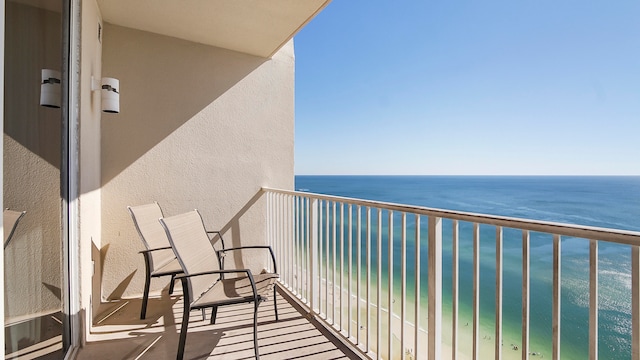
(612, 202)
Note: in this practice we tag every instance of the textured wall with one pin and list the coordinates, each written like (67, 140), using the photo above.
(199, 127)
(31, 155)
(90, 181)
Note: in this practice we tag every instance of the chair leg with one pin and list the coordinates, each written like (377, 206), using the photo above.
(147, 283)
(173, 278)
(275, 306)
(214, 313)
(145, 296)
(255, 330)
(185, 323)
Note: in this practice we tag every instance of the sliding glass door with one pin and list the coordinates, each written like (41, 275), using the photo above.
(35, 178)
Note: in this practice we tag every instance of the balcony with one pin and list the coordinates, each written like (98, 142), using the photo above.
(118, 333)
(340, 257)
(346, 254)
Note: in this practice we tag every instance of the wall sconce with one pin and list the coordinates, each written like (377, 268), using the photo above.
(109, 93)
(50, 88)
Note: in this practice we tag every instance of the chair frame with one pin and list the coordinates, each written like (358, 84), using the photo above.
(148, 263)
(148, 275)
(256, 298)
(214, 311)
(8, 238)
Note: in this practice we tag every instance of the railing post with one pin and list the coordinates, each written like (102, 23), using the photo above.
(333, 272)
(297, 260)
(475, 352)
(416, 338)
(454, 291)
(325, 239)
(268, 224)
(368, 310)
(350, 277)
(390, 287)
(290, 241)
(403, 284)
(526, 292)
(635, 303)
(280, 231)
(314, 256)
(435, 287)
(358, 270)
(557, 290)
(379, 289)
(593, 299)
(499, 269)
(341, 265)
(308, 279)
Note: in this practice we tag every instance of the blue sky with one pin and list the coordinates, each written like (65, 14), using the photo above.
(469, 87)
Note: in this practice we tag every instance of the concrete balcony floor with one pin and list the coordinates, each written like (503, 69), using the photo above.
(118, 333)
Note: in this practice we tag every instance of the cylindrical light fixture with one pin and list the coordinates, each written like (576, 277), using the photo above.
(110, 94)
(50, 88)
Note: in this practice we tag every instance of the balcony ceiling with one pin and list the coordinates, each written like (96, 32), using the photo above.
(256, 27)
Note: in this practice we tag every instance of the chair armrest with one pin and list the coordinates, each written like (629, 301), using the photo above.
(148, 259)
(156, 249)
(183, 278)
(247, 271)
(273, 257)
(219, 233)
(247, 247)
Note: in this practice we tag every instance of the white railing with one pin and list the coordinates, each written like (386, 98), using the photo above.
(339, 256)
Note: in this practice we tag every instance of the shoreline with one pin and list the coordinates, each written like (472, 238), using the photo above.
(465, 328)
(542, 199)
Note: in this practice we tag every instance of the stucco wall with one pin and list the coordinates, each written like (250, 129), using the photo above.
(31, 154)
(90, 181)
(199, 127)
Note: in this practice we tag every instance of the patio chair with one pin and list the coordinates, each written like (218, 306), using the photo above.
(10, 222)
(159, 259)
(205, 282)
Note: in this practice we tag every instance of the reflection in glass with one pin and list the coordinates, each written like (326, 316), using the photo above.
(32, 165)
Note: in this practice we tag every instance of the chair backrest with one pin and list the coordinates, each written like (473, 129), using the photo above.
(10, 220)
(153, 236)
(188, 237)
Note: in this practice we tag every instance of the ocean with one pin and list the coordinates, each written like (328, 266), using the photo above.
(602, 201)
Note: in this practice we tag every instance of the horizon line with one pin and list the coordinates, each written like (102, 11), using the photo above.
(486, 175)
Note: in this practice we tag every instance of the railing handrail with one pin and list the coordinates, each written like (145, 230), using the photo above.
(579, 231)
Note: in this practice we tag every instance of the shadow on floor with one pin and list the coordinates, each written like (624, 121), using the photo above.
(120, 334)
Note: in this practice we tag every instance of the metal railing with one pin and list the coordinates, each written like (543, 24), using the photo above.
(349, 260)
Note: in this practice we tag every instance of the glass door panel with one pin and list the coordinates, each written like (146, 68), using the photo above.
(33, 153)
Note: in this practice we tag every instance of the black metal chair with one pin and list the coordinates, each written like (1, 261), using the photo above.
(204, 283)
(159, 258)
(10, 222)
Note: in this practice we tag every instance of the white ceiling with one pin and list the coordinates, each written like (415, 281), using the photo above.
(256, 27)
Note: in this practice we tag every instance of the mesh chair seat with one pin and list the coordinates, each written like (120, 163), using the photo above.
(236, 290)
(159, 259)
(172, 267)
(206, 283)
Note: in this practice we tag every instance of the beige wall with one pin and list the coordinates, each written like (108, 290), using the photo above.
(199, 127)
(2, 23)
(31, 155)
(90, 182)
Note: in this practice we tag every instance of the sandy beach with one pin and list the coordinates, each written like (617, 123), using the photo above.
(511, 348)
